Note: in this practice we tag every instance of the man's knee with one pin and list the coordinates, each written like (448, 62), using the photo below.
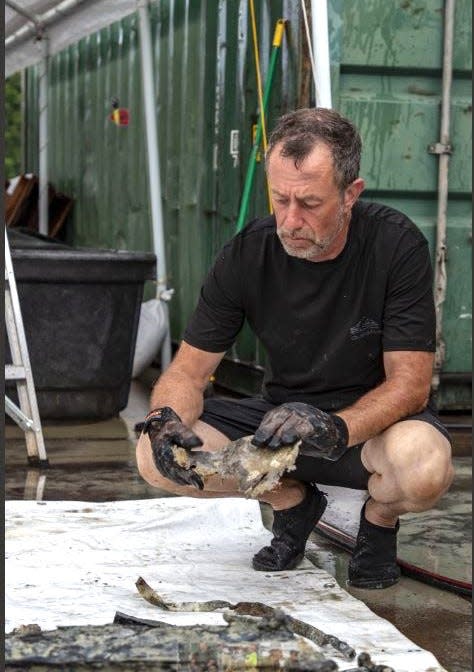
(418, 457)
(430, 474)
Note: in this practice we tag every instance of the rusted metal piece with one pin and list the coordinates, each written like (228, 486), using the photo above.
(129, 645)
(254, 609)
(365, 662)
(152, 597)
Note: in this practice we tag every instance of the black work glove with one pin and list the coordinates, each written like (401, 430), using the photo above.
(322, 434)
(165, 429)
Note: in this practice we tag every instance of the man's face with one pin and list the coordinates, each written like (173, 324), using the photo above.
(312, 214)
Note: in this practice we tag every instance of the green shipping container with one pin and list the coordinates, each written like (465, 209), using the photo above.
(386, 60)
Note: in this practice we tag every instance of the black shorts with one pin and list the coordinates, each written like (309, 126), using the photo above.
(240, 417)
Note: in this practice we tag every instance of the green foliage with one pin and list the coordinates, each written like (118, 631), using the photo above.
(13, 125)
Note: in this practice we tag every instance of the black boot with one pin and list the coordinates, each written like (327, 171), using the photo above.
(374, 561)
(291, 529)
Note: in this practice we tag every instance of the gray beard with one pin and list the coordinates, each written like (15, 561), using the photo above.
(319, 246)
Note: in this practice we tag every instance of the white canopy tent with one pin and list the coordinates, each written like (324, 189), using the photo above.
(37, 29)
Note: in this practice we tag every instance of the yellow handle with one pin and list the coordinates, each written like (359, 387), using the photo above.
(278, 34)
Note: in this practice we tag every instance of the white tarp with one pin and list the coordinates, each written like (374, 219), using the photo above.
(65, 22)
(76, 563)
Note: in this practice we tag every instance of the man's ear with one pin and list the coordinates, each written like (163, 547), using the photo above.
(352, 192)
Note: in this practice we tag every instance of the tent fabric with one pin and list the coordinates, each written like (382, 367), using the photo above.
(63, 22)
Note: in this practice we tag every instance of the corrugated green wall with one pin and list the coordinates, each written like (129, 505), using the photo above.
(386, 76)
(387, 60)
(205, 82)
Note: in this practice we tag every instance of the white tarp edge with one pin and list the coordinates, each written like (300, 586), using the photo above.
(76, 563)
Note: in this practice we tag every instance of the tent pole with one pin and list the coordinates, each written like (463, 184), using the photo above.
(154, 180)
(43, 138)
(319, 24)
(43, 44)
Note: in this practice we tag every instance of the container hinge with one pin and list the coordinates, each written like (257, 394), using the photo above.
(440, 148)
(234, 146)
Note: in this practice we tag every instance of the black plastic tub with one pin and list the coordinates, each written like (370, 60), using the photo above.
(80, 309)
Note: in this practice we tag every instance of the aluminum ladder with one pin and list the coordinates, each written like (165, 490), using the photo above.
(27, 416)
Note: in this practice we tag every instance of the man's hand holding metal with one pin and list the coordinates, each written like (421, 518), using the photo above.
(165, 429)
(322, 435)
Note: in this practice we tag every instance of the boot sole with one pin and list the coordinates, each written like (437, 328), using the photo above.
(261, 567)
(373, 584)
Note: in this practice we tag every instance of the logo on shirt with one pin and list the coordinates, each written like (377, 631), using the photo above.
(364, 327)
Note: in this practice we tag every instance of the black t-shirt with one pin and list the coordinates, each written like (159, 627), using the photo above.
(324, 325)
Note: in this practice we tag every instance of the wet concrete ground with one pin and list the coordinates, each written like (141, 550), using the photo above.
(96, 462)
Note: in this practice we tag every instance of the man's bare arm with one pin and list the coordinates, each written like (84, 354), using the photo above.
(404, 392)
(183, 383)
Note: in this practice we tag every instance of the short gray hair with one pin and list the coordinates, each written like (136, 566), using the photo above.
(301, 130)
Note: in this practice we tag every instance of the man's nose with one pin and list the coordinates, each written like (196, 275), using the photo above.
(293, 216)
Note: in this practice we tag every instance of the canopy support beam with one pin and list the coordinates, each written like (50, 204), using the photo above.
(319, 25)
(154, 181)
(43, 139)
(42, 42)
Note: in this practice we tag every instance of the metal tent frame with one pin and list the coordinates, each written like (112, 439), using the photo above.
(37, 29)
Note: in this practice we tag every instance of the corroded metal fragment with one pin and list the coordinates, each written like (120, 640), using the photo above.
(151, 596)
(256, 469)
(132, 647)
(254, 609)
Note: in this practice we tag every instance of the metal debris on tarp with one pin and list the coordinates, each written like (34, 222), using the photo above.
(254, 609)
(257, 469)
(192, 550)
(130, 645)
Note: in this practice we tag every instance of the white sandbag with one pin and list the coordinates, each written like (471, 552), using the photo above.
(151, 332)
